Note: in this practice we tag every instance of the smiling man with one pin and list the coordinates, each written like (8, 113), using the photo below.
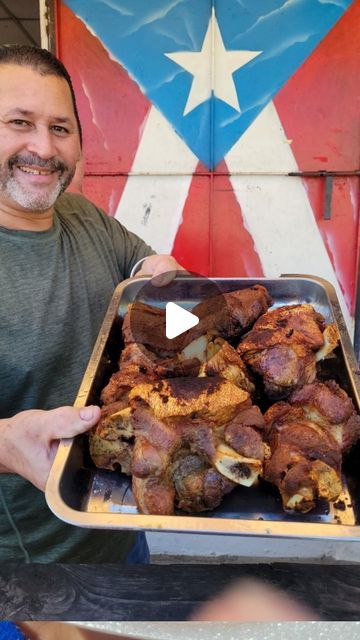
(61, 258)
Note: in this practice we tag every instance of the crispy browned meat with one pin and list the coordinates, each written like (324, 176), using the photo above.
(230, 314)
(198, 486)
(111, 441)
(228, 364)
(282, 346)
(148, 362)
(245, 440)
(190, 454)
(305, 465)
(226, 315)
(314, 428)
(161, 442)
(123, 381)
(214, 398)
(329, 406)
(296, 318)
(154, 495)
(145, 324)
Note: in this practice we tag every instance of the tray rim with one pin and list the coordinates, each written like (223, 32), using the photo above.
(195, 524)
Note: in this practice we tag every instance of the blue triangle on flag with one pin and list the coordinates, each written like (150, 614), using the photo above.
(139, 34)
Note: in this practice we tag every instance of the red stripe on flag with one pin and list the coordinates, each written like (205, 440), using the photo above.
(191, 245)
(319, 109)
(112, 108)
(233, 251)
(212, 239)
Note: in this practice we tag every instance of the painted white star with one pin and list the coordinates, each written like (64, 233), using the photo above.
(219, 79)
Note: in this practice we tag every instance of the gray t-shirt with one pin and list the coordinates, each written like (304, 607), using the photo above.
(55, 288)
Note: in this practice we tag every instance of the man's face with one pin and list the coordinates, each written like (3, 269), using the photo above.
(39, 139)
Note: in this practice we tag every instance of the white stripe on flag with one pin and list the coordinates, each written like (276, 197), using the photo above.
(276, 208)
(152, 205)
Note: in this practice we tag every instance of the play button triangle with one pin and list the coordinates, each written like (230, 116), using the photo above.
(178, 320)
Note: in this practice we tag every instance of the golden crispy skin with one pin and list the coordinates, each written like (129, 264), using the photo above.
(123, 381)
(213, 398)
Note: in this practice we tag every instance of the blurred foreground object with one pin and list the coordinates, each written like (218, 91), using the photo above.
(253, 601)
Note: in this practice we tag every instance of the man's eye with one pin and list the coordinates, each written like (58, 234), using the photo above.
(56, 128)
(20, 123)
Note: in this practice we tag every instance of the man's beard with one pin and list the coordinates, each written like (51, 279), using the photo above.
(34, 198)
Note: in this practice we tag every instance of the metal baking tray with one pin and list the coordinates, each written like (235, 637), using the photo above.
(83, 495)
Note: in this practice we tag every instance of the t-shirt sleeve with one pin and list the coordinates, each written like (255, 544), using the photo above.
(123, 246)
(128, 246)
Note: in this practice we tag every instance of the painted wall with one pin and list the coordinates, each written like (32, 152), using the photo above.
(195, 113)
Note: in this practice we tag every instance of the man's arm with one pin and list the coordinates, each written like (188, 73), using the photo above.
(29, 440)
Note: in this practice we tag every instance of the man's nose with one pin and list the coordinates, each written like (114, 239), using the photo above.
(41, 142)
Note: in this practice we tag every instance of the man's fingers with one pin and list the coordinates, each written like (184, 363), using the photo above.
(66, 422)
(161, 279)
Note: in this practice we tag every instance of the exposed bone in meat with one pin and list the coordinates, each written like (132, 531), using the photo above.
(188, 456)
(181, 419)
(223, 360)
(282, 347)
(331, 408)
(308, 436)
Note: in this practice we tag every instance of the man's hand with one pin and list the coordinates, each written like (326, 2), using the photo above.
(29, 440)
(163, 269)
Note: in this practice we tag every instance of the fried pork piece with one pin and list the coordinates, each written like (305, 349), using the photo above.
(329, 406)
(214, 399)
(306, 448)
(227, 315)
(110, 441)
(230, 314)
(224, 361)
(283, 345)
(121, 383)
(300, 480)
(148, 362)
(205, 356)
(188, 456)
(198, 486)
(154, 495)
(146, 325)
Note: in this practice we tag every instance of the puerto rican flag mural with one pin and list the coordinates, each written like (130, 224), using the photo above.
(195, 112)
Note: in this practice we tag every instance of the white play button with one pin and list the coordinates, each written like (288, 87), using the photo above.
(178, 320)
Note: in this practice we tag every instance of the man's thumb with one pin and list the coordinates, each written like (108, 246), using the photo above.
(70, 421)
